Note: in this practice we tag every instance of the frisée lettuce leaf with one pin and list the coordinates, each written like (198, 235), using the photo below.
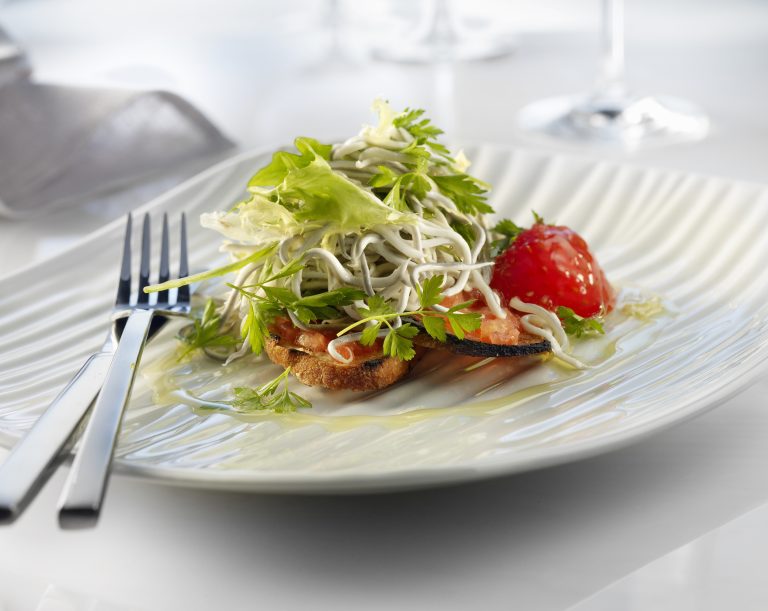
(296, 193)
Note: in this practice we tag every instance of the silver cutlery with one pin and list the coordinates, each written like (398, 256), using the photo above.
(36, 456)
(85, 487)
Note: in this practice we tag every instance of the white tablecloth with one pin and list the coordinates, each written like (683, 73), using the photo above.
(542, 540)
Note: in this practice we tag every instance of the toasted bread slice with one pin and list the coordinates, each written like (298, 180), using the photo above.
(322, 370)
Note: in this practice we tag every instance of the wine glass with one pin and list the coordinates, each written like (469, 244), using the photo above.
(611, 114)
(441, 36)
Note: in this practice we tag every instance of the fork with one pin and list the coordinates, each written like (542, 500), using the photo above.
(35, 457)
(84, 490)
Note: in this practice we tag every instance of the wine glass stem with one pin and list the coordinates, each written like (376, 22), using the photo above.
(611, 82)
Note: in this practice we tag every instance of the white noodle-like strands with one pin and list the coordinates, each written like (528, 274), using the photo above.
(545, 324)
(333, 345)
(491, 298)
(386, 260)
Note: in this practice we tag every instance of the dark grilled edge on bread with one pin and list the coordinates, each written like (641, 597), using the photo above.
(320, 370)
(527, 345)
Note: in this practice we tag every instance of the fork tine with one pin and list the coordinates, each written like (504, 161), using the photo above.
(124, 286)
(183, 294)
(144, 265)
(165, 271)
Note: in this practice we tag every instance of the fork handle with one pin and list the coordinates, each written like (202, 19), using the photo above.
(86, 484)
(30, 463)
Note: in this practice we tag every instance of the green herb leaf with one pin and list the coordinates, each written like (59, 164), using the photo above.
(377, 306)
(538, 219)
(508, 228)
(396, 196)
(219, 271)
(370, 334)
(465, 191)
(510, 231)
(205, 331)
(289, 269)
(429, 291)
(255, 327)
(385, 178)
(338, 297)
(422, 130)
(435, 326)
(576, 325)
(398, 342)
(461, 322)
(465, 231)
(267, 397)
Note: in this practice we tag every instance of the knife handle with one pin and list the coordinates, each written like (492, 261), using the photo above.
(86, 484)
(32, 459)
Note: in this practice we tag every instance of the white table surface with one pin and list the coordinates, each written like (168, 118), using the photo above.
(541, 540)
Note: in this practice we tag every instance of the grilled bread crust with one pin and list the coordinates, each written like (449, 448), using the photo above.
(320, 370)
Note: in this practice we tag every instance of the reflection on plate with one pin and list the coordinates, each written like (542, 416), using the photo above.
(695, 240)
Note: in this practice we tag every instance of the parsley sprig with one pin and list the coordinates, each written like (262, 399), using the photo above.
(467, 192)
(422, 130)
(509, 231)
(576, 325)
(276, 300)
(400, 186)
(205, 332)
(269, 397)
(398, 341)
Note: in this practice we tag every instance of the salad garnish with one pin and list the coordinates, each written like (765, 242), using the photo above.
(356, 251)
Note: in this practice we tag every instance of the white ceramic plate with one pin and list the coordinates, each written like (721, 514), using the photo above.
(697, 242)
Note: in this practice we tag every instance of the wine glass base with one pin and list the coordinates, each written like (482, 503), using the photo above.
(429, 50)
(625, 121)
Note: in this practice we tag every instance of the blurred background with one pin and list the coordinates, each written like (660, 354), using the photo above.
(265, 71)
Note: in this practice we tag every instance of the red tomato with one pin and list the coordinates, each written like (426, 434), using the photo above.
(552, 266)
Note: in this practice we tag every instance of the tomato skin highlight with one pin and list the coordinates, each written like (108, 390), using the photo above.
(552, 266)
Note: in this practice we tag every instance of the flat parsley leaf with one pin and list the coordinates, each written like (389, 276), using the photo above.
(370, 334)
(377, 306)
(510, 231)
(466, 192)
(461, 322)
(576, 325)
(398, 342)
(435, 326)
(277, 300)
(400, 186)
(429, 291)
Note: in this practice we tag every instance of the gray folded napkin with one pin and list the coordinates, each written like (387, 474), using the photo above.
(61, 144)
(13, 61)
